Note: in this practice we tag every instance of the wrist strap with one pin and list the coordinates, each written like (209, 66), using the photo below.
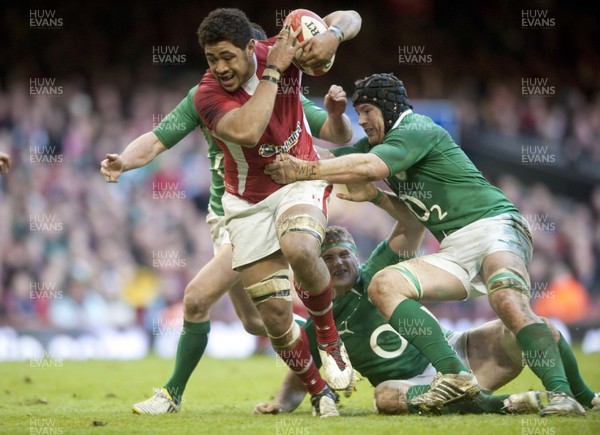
(270, 72)
(268, 78)
(337, 32)
(276, 69)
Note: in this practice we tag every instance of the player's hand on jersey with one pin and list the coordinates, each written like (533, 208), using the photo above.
(319, 50)
(286, 169)
(359, 192)
(283, 51)
(335, 101)
(4, 163)
(268, 408)
(112, 168)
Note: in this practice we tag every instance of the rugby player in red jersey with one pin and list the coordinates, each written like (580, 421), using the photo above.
(250, 101)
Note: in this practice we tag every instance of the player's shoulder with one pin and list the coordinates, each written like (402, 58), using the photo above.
(207, 89)
(261, 49)
(208, 81)
(418, 123)
(264, 44)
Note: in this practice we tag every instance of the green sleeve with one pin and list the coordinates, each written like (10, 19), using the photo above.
(315, 116)
(362, 146)
(180, 122)
(309, 328)
(402, 147)
(381, 257)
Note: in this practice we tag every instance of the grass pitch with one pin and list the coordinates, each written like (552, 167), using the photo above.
(96, 397)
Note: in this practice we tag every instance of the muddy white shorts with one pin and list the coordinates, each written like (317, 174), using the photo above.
(218, 231)
(252, 227)
(462, 252)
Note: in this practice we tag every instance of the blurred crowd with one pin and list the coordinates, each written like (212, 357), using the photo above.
(78, 253)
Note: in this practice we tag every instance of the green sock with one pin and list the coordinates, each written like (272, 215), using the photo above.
(583, 393)
(541, 354)
(192, 343)
(423, 331)
(483, 404)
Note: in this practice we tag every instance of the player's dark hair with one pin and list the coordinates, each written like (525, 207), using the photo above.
(386, 92)
(225, 24)
(258, 32)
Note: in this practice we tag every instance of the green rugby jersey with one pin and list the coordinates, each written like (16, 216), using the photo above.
(433, 176)
(375, 349)
(182, 120)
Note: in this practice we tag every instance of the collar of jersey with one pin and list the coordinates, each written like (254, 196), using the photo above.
(401, 117)
(252, 83)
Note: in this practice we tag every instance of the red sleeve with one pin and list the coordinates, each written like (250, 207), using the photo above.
(212, 101)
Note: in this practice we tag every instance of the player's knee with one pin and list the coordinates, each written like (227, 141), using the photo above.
(253, 324)
(194, 305)
(377, 289)
(389, 399)
(384, 283)
(300, 238)
(301, 254)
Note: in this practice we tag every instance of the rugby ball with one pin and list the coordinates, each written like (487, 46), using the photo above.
(311, 25)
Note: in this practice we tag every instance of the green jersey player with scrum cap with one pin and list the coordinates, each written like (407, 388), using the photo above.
(485, 244)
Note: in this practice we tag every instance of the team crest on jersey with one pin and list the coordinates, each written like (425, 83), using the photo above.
(268, 150)
(401, 176)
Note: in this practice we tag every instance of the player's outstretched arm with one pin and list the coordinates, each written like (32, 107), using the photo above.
(337, 128)
(343, 26)
(288, 398)
(348, 169)
(349, 22)
(408, 232)
(138, 153)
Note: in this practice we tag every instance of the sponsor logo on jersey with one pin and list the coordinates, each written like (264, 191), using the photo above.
(269, 150)
(401, 176)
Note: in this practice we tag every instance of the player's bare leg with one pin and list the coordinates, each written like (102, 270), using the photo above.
(301, 229)
(246, 311)
(395, 397)
(395, 292)
(267, 284)
(209, 284)
(494, 355)
(508, 287)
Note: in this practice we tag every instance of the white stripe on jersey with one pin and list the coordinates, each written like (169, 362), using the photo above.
(237, 152)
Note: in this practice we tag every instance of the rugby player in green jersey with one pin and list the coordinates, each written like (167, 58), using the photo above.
(217, 276)
(485, 244)
(394, 367)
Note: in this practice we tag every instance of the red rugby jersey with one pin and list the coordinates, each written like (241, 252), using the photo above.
(287, 130)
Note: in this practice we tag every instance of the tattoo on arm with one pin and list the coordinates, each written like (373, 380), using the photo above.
(308, 171)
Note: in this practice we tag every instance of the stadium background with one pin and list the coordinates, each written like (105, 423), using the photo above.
(95, 270)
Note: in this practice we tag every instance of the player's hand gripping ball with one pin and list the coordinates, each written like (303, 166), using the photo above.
(312, 25)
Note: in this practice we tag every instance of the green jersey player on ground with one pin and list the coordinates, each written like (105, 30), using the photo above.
(217, 276)
(396, 368)
(485, 243)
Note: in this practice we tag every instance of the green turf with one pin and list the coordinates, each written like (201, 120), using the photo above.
(96, 397)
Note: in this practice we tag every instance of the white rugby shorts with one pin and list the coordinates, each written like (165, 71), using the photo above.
(462, 252)
(252, 228)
